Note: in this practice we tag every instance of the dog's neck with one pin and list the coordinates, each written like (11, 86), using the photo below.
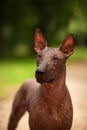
(52, 91)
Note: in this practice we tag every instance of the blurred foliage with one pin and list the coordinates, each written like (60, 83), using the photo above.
(56, 19)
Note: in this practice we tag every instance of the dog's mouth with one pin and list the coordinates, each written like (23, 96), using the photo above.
(39, 80)
(43, 77)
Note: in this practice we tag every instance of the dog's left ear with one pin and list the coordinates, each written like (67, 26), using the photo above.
(39, 41)
(67, 46)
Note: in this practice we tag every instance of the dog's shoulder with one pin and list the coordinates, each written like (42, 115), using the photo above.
(29, 85)
(27, 90)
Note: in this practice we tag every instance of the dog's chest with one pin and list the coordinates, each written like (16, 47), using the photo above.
(43, 117)
(49, 115)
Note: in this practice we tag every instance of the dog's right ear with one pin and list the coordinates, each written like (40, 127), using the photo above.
(39, 41)
(67, 46)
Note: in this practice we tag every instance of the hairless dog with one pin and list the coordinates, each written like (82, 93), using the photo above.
(47, 98)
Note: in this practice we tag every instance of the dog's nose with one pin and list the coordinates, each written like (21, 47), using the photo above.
(39, 71)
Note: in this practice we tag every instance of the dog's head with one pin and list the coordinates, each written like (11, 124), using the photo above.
(51, 61)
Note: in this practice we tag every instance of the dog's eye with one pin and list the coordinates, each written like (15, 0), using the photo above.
(55, 58)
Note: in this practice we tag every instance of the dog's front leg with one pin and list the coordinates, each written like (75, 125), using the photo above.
(18, 109)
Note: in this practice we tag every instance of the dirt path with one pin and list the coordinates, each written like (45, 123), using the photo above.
(77, 84)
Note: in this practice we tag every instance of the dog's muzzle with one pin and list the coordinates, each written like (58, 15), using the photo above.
(41, 76)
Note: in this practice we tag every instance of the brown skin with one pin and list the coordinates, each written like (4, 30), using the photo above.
(47, 100)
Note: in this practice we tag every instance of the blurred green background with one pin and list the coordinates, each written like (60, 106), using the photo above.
(20, 18)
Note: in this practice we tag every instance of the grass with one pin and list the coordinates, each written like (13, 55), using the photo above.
(14, 72)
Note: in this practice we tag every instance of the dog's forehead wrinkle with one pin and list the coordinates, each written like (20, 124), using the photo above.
(51, 52)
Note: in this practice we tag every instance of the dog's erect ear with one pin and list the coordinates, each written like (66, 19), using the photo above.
(39, 41)
(67, 46)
